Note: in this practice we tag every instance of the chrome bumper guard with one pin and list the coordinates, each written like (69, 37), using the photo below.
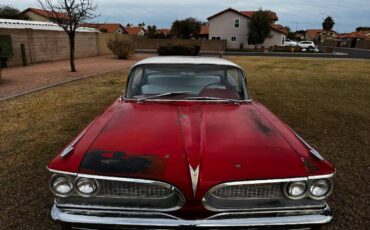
(160, 220)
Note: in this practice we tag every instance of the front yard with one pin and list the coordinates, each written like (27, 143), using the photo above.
(326, 101)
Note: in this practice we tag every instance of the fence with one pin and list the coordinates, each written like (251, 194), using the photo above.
(42, 45)
(35, 46)
(143, 43)
(363, 44)
(359, 44)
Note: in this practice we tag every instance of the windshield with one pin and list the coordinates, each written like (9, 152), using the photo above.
(186, 82)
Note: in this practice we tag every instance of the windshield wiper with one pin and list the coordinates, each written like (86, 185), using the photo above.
(214, 99)
(163, 95)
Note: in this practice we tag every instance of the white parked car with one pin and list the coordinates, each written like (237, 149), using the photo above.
(289, 42)
(309, 45)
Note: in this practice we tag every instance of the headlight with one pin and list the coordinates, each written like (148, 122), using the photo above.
(320, 189)
(61, 185)
(87, 187)
(295, 190)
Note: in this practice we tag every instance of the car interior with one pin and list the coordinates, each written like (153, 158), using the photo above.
(198, 84)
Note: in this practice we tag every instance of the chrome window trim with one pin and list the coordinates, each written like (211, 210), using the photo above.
(200, 101)
(244, 73)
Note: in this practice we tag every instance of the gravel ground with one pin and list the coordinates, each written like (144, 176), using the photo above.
(21, 79)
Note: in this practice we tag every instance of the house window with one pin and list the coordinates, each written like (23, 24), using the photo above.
(233, 38)
(236, 22)
(216, 38)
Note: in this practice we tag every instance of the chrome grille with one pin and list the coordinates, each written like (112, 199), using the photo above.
(111, 188)
(248, 191)
(246, 196)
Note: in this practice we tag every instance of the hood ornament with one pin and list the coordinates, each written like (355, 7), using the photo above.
(194, 175)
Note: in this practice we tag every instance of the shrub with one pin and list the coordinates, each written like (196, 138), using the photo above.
(123, 47)
(183, 50)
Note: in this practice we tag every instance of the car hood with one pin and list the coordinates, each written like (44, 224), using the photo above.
(168, 141)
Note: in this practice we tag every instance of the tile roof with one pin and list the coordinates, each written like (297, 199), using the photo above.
(204, 30)
(279, 28)
(313, 33)
(247, 14)
(109, 27)
(355, 34)
(47, 14)
(250, 14)
(165, 31)
(133, 30)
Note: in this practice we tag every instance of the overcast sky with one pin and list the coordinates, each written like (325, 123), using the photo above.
(300, 14)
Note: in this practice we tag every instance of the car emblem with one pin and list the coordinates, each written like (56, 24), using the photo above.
(194, 174)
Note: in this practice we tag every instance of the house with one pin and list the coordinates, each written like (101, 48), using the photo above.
(204, 32)
(165, 32)
(107, 27)
(135, 30)
(34, 14)
(232, 25)
(354, 38)
(319, 35)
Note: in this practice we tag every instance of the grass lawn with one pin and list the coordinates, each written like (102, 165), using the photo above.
(326, 101)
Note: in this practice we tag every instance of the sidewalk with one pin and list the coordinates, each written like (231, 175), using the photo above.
(16, 80)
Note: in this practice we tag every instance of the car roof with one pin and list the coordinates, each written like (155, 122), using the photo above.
(187, 60)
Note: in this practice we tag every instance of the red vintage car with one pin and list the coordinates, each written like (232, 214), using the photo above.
(186, 147)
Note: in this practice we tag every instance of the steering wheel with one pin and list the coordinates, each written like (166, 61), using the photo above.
(214, 83)
(229, 89)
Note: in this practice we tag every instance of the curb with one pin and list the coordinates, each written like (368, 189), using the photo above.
(56, 84)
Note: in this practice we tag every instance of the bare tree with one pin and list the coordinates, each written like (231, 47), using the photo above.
(70, 14)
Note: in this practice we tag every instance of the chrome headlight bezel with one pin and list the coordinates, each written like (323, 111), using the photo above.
(326, 194)
(95, 184)
(288, 186)
(58, 179)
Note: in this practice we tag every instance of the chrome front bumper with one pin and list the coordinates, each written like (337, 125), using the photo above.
(87, 217)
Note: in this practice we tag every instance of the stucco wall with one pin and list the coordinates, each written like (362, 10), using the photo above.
(18, 37)
(274, 39)
(146, 43)
(42, 46)
(223, 26)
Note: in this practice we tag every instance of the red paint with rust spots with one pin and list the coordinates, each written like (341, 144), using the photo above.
(229, 143)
